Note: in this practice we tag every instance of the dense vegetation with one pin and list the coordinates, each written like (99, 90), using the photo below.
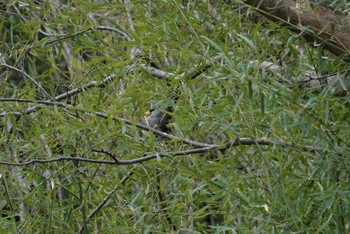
(250, 148)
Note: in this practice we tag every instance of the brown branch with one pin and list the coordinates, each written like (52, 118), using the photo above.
(109, 162)
(318, 23)
(116, 161)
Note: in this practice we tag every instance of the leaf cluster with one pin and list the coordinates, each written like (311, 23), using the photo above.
(257, 188)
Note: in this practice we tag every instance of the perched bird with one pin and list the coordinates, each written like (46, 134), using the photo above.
(158, 119)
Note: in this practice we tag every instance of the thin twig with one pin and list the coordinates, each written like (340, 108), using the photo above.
(105, 200)
(29, 77)
(106, 28)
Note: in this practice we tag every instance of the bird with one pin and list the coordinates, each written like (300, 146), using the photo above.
(158, 119)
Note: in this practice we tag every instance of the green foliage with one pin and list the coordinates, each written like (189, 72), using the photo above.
(247, 188)
(339, 5)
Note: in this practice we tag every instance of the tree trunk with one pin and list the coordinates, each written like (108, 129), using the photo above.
(317, 23)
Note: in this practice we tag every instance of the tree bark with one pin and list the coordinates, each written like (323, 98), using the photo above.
(318, 24)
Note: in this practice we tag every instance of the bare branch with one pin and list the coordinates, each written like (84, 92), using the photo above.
(109, 162)
(236, 142)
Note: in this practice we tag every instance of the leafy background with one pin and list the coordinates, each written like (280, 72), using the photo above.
(63, 45)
